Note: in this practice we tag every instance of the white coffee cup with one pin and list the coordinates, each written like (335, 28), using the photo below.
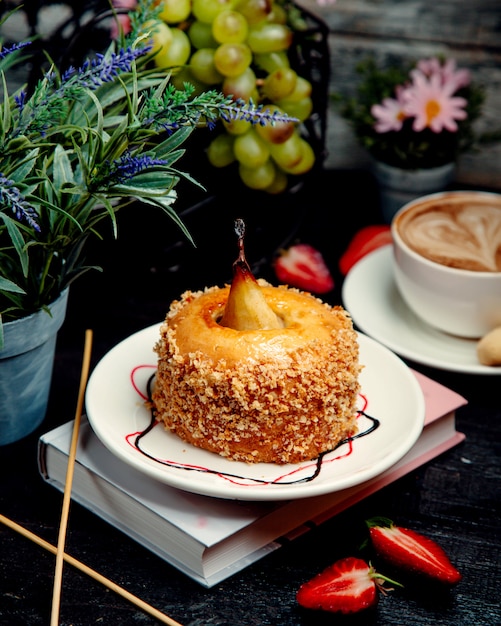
(447, 260)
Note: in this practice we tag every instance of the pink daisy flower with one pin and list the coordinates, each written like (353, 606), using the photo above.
(433, 104)
(429, 66)
(451, 75)
(448, 72)
(390, 114)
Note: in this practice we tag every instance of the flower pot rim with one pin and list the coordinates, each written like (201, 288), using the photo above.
(50, 306)
(450, 165)
(34, 330)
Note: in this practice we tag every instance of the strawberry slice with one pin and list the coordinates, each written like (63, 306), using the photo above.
(348, 586)
(412, 551)
(303, 266)
(364, 241)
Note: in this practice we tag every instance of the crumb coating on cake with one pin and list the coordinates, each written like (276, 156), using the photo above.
(275, 396)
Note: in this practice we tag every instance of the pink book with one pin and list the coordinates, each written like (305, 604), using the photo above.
(439, 434)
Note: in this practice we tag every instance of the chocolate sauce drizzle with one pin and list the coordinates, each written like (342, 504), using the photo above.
(317, 463)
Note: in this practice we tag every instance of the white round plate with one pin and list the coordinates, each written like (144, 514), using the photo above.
(115, 404)
(371, 297)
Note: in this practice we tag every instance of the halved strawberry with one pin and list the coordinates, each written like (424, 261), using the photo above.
(303, 266)
(412, 551)
(348, 586)
(364, 241)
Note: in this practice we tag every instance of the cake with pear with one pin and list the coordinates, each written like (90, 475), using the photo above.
(255, 372)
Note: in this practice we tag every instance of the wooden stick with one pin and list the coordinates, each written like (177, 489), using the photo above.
(56, 596)
(144, 606)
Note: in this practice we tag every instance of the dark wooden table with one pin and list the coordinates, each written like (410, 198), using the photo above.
(456, 498)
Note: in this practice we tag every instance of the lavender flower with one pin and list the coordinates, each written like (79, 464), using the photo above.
(102, 69)
(128, 166)
(47, 105)
(5, 52)
(178, 108)
(11, 197)
(40, 111)
(260, 114)
(20, 100)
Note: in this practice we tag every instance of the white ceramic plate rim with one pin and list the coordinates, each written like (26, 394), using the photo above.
(115, 409)
(371, 297)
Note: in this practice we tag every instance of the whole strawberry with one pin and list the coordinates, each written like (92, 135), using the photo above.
(365, 240)
(349, 585)
(411, 551)
(303, 266)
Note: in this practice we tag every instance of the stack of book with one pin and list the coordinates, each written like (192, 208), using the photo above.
(209, 539)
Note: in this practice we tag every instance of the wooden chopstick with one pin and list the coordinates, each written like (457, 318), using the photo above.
(56, 595)
(144, 606)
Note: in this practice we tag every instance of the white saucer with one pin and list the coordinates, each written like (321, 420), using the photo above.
(370, 296)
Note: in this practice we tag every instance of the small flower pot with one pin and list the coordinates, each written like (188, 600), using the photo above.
(400, 186)
(26, 364)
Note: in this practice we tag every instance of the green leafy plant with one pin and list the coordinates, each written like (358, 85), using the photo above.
(82, 145)
(419, 115)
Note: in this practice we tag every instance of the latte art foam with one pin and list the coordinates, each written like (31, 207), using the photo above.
(462, 235)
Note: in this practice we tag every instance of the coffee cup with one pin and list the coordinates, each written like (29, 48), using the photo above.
(447, 260)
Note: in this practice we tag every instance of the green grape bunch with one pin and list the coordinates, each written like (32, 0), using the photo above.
(240, 47)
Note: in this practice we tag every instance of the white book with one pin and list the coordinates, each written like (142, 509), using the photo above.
(210, 539)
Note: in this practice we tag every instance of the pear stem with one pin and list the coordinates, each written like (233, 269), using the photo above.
(241, 262)
(240, 232)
